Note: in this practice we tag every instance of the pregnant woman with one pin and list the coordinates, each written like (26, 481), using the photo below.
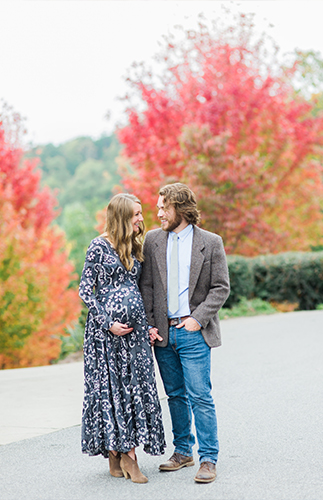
(121, 409)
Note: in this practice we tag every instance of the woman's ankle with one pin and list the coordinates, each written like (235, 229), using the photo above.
(132, 454)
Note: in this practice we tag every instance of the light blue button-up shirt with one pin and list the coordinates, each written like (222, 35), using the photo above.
(185, 240)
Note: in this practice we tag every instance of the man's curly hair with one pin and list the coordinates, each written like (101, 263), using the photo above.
(183, 200)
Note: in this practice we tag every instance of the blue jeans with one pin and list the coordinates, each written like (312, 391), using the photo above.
(185, 366)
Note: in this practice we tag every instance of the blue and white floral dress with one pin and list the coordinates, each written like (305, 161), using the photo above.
(121, 409)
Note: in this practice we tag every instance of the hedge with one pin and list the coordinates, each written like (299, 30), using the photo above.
(285, 277)
(242, 281)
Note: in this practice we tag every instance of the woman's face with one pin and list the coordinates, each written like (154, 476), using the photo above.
(137, 217)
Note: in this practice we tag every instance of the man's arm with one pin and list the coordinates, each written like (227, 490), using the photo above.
(219, 285)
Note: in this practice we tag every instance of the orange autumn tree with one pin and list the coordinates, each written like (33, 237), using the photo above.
(36, 303)
(228, 122)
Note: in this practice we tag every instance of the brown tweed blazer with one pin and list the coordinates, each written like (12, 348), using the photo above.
(208, 285)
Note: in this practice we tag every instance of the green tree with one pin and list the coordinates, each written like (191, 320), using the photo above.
(91, 182)
(57, 174)
(63, 168)
(77, 222)
(83, 172)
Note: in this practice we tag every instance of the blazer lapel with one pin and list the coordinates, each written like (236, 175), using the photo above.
(197, 259)
(160, 254)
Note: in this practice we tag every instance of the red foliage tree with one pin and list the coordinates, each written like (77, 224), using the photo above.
(233, 128)
(36, 303)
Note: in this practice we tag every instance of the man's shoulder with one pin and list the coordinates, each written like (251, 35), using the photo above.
(206, 235)
(154, 234)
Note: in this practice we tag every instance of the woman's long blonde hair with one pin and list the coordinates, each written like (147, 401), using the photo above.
(119, 230)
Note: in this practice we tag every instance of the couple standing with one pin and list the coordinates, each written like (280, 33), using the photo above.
(121, 408)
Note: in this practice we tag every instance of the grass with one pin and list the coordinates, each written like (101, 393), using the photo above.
(245, 307)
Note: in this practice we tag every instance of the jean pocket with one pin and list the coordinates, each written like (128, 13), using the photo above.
(192, 331)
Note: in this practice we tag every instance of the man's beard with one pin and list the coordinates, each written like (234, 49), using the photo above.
(174, 224)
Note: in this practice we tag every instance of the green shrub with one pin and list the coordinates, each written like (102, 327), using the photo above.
(241, 279)
(290, 277)
(73, 342)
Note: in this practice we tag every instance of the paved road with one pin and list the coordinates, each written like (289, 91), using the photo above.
(37, 401)
(267, 380)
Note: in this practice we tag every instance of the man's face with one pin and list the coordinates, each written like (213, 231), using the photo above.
(167, 215)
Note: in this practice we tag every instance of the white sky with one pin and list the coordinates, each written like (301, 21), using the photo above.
(62, 62)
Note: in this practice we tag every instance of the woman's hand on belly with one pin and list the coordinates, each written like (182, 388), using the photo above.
(120, 329)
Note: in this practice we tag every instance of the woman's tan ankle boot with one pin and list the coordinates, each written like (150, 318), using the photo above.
(130, 469)
(114, 464)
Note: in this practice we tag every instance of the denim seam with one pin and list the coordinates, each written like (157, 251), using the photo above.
(190, 419)
(207, 459)
(188, 399)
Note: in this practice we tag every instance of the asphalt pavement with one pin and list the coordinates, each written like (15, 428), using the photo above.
(268, 389)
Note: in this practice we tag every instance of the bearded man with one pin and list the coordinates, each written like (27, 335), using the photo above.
(184, 283)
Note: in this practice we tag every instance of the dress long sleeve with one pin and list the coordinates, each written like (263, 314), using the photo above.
(93, 271)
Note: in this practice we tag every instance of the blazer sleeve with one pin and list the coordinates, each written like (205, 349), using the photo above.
(219, 285)
(146, 283)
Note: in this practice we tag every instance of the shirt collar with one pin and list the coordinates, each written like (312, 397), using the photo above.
(184, 232)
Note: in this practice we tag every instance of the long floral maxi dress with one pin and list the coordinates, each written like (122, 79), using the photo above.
(121, 409)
